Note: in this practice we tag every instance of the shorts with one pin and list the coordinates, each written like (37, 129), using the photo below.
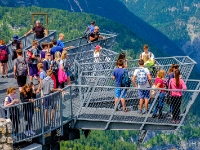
(21, 81)
(3, 61)
(49, 103)
(144, 94)
(33, 70)
(118, 93)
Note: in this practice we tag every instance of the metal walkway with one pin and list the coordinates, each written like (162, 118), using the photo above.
(90, 105)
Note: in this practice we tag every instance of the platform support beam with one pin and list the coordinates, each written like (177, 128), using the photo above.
(141, 137)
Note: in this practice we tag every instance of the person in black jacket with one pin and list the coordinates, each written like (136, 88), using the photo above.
(27, 96)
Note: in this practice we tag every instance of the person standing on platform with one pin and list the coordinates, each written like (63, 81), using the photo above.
(142, 75)
(20, 69)
(61, 43)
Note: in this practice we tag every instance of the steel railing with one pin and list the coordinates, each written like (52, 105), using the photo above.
(89, 103)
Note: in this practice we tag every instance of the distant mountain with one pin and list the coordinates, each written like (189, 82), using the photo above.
(111, 9)
(178, 20)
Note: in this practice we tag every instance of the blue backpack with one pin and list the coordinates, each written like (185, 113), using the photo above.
(126, 81)
(141, 77)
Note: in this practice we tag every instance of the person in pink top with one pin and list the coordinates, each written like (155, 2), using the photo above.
(178, 84)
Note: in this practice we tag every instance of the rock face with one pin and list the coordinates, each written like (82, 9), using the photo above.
(6, 141)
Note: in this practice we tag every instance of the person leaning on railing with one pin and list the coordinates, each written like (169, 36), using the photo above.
(27, 95)
(40, 31)
(48, 88)
(176, 96)
(4, 55)
(60, 42)
(13, 111)
(95, 36)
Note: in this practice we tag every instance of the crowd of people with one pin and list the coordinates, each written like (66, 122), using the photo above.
(142, 79)
(48, 64)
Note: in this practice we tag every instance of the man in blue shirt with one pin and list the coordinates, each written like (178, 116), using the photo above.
(61, 43)
(117, 76)
(55, 48)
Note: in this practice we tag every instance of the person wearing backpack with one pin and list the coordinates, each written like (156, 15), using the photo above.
(4, 54)
(20, 69)
(142, 75)
(117, 76)
(55, 64)
(32, 59)
(66, 65)
(15, 45)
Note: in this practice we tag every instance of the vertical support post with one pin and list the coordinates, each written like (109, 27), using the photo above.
(61, 113)
(42, 121)
(71, 102)
(141, 137)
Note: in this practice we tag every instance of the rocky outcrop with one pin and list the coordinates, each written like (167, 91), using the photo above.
(6, 141)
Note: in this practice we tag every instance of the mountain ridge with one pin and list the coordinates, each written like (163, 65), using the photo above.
(103, 8)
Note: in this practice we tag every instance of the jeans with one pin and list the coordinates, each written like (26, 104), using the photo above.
(159, 105)
(30, 121)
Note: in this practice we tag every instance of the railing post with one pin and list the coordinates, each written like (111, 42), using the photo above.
(42, 120)
(61, 113)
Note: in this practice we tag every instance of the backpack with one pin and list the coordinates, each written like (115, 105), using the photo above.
(29, 55)
(14, 48)
(55, 67)
(3, 54)
(142, 77)
(9, 100)
(126, 81)
(22, 68)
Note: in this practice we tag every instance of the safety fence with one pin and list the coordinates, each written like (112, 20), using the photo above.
(107, 43)
(97, 105)
(105, 68)
(36, 119)
(93, 103)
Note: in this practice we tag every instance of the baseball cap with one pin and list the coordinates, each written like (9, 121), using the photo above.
(98, 47)
(15, 37)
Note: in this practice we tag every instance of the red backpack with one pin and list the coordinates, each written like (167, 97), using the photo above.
(29, 55)
(3, 54)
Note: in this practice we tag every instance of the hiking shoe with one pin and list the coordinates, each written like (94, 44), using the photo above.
(35, 77)
(154, 116)
(7, 76)
(173, 121)
(160, 117)
(140, 112)
(31, 132)
(2, 76)
(146, 112)
(27, 133)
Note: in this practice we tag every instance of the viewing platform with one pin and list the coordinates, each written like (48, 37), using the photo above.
(90, 103)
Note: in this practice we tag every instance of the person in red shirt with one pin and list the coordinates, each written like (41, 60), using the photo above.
(159, 83)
